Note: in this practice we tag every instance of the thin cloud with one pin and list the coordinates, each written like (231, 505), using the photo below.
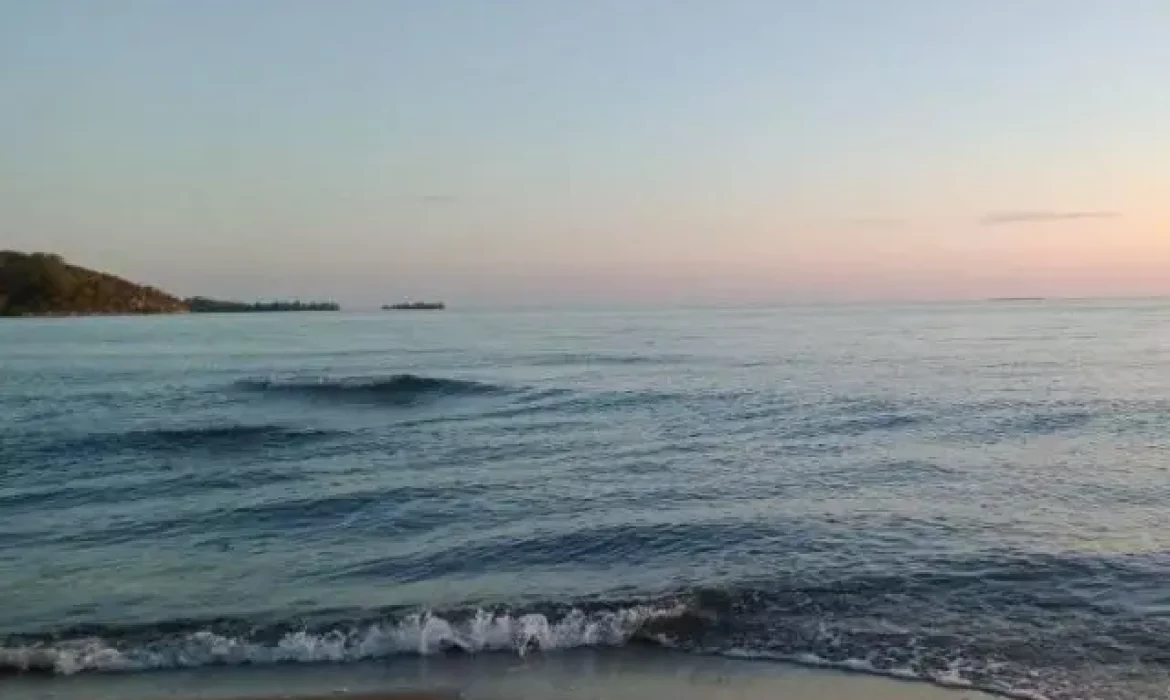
(1008, 218)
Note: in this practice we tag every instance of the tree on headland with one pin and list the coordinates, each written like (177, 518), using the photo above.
(43, 284)
(35, 284)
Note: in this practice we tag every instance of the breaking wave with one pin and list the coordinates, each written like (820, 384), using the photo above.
(676, 626)
(808, 626)
(179, 645)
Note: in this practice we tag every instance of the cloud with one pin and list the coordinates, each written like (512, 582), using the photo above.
(1008, 218)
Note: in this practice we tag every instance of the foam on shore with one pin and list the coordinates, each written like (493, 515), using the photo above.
(581, 675)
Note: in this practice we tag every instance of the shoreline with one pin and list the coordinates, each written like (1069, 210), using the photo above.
(599, 674)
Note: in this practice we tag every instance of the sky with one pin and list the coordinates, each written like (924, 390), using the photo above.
(601, 151)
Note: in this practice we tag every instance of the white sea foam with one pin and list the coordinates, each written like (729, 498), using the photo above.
(422, 634)
(951, 678)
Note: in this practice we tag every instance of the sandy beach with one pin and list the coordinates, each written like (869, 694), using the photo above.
(592, 675)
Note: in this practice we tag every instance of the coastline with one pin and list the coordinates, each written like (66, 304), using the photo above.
(609, 674)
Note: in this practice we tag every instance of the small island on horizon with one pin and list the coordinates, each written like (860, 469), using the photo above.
(44, 284)
(199, 305)
(416, 306)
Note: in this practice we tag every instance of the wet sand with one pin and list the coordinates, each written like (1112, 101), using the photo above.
(595, 675)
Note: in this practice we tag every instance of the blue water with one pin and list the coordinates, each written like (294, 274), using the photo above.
(970, 493)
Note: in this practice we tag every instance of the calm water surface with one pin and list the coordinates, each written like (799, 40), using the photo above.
(973, 494)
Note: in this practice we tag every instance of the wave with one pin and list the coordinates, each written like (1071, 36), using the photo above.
(120, 452)
(999, 424)
(947, 678)
(567, 359)
(398, 389)
(214, 437)
(890, 626)
(1047, 423)
(672, 625)
(414, 634)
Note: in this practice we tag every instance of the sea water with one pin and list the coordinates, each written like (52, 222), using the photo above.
(972, 494)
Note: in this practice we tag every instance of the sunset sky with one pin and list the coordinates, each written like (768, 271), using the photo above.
(628, 151)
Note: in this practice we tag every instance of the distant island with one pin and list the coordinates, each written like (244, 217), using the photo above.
(416, 306)
(199, 305)
(43, 284)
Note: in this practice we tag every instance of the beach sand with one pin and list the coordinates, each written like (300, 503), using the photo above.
(588, 675)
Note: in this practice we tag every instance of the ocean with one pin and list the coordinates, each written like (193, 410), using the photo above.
(974, 495)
